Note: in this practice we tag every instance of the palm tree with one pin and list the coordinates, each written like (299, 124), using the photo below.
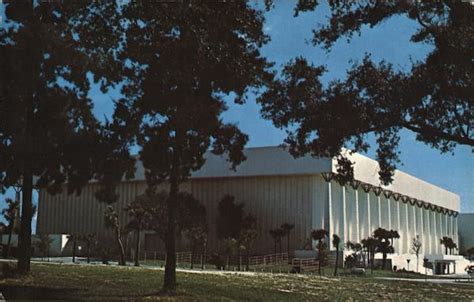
(287, 227)
(90, 238)
(111, 220)
(43, 245)
(451, 245)
(198, 237)
(276, 235)
(336, 241)
(320, 236)
(445, 241)
(10, 214)
(74, 238)
(280, 235)
(385, 241)
(393, 235)
(139, 220)
(371, 245)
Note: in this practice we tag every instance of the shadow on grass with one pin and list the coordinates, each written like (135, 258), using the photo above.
(19, 292)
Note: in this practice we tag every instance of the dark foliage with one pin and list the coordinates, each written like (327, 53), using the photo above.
(181, 59)
(320, 236)
(230, 217)
(48, 134)
(434, 99)
(385, 242)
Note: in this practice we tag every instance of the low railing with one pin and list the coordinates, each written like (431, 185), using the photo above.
(271, 259)
(305, 264)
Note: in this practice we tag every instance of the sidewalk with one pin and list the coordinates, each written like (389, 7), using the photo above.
(437, 281)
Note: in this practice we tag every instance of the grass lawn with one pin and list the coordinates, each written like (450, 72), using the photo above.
(74, 282)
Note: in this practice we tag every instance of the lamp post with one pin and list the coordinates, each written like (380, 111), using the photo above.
(408, 264)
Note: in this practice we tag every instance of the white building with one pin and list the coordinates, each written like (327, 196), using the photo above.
(277, 188)
(466, 231)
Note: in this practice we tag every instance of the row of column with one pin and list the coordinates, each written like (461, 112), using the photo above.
(354, 214)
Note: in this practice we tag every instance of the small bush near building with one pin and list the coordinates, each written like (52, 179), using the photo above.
(218, 261)
(8, 270)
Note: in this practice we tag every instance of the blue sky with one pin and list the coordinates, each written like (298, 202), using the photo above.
(389, 41)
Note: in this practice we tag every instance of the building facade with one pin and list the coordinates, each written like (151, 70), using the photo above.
(277, 188)
(466, 231)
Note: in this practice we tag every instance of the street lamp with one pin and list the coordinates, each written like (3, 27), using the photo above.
(377, 190)
(408, 262)
(366, 187)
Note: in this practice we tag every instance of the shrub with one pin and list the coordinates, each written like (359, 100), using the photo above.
(217, 260)
(351, 261)
(9, 270)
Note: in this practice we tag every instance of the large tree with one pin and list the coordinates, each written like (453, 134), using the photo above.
(433, 99)
(47, 129)
(10, 214)
(182, 59)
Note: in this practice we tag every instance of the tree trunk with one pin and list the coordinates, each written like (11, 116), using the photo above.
(88, 251)
(247, 264)
(445, 249)
(137, 248)
(288, 244)
(192, 256)
(120, 245)
(275, 246)
(170, 267)
(238, 260)
(372, 257)
(279, 242)
(319, 258)
(7, 250)
(24, 238)
(74, 249)
(203, 262)
(337, 262)
(384, 259)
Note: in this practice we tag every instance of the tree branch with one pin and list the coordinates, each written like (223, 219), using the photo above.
(440, 134)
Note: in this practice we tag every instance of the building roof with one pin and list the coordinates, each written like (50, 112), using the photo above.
(276, 161)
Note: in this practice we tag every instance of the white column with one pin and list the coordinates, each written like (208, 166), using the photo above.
(446, 224)
(428, 230)
(440, 224)
(330, 218)
(400, 229)
(422, 233)
(408, 238)
(357, 215)
(369, 227)
(344, 214)
(380, 212)
(389, 210)
(435, 229)
(451, 233)
(414, 221)
(446, 217)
